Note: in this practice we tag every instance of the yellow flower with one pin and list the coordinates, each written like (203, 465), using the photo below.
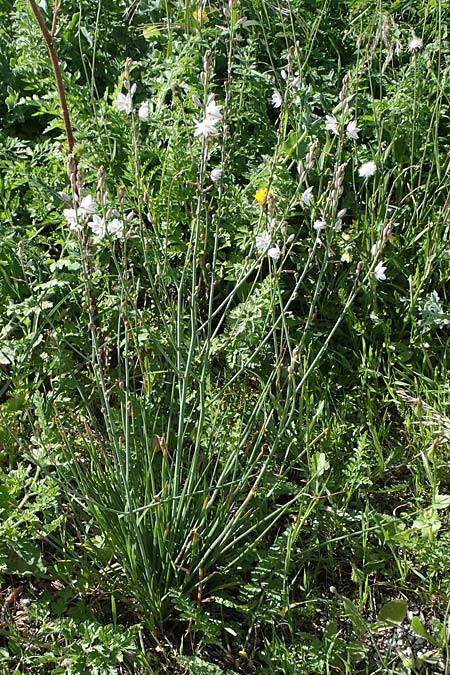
(200, 15)
(262, 195)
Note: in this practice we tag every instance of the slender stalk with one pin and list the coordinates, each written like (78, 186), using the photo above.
(49, 40)
(56, 7)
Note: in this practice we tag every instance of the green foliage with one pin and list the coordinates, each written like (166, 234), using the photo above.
(201, 433)
(198, 666)
(29, 515)
(70, 646)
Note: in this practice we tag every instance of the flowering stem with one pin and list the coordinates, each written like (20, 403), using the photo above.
(49, 39)
(72, 168)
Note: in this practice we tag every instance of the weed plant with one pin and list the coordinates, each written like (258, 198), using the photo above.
(223, 337)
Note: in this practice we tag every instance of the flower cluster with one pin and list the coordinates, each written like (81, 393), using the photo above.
(263, 245)
(379, 271)
(332, 124)
(84, 216)
(336, 127)
(213, 115)
(76, 218)
(320, 223)
(293, 82)
(124, 102)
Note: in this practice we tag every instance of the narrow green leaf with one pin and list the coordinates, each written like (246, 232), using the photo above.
(151, 32)
(353, 613)
(420, 630)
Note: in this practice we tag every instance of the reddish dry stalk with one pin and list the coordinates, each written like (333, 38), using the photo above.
(200, 588)
(48, 37)
(72, 168)
(55, 15)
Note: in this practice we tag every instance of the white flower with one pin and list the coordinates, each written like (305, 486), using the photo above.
(77, 217)
(87, 206)
(274, 252)
(277, 101)
(347, 257)
(124, 103)
(376, 248)
(319, 224)
(115, 228)
(331, 124)
(205, 128)
(352, 130)
(262, 241)
(379, 271)
(415, 44)
(216, 175)
(367, 169)
(307, 196)
(283, 74)
(339, 216)
(98, 226)
(213, 111)
(71, 217)
(143, 112)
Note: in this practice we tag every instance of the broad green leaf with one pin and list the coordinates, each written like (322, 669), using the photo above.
(295, 145)
(393, 612)
(320, 464)
(441, 501)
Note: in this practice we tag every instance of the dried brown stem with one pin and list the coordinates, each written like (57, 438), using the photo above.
(56, 7)
(49, 40)
(72, 169)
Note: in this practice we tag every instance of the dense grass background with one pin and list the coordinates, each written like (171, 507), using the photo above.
(219, 455)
